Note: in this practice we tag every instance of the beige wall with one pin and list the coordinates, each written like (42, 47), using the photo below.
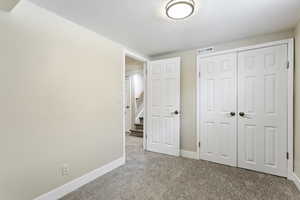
(297, 101)
(188, 83)
(7, 5)
(60, 101)
(133, 65)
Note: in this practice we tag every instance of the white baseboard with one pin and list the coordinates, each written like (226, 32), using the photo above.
(188, 154)
(78, 182)
(296, 180)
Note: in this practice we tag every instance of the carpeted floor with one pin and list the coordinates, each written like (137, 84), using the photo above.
(152, 176)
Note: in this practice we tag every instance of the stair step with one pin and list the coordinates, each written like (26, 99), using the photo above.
(139, 126)
(137, 132)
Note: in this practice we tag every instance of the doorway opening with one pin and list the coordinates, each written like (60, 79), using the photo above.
(134, 103)
(151, 102)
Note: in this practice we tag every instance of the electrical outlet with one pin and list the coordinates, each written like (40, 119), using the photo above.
(65, 170)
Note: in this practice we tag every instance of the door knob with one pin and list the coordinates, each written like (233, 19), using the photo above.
(176, 112)
(232, 114)
(242, 114)
(127, 107)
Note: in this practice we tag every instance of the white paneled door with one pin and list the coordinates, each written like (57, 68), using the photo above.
(262, 89)
(163, 111)
(243, 109)
(218, 109)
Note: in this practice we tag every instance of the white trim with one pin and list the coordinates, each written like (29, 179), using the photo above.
(290, 43)
(145, 105)
(198, 107)
(78, 182)
(258, 46)
(123, 110)
(145, 60)
(134, 55)
(290, 107)
(188, 154)
(296, 180)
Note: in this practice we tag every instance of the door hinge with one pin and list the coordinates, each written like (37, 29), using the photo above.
(199, 144)
(287, 155)
(199, 74)
(288, 65)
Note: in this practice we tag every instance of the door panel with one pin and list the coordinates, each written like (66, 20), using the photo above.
(164, 98)
(218, 100)
(250, 154)
(127, 104)
(262, 96)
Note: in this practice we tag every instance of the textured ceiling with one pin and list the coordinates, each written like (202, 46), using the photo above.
(141, 25)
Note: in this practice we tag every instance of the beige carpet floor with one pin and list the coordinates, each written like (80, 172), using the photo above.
(152, 176)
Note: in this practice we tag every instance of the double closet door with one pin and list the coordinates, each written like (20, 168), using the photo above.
(243, 109)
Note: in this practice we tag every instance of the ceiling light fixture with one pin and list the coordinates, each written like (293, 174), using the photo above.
(180, 9)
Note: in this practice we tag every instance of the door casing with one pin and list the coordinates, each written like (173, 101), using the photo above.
(145, 60)
(290, 79)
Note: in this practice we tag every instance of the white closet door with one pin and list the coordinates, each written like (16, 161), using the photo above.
(218, 109)
(262, 97)
(163, 132)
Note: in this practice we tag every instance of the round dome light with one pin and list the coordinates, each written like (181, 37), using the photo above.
(180, 9)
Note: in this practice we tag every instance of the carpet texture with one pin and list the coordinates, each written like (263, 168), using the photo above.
(152, 176)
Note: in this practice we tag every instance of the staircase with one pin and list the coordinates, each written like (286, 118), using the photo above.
(138, 130)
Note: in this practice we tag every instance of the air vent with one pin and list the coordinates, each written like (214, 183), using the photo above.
(205, 50)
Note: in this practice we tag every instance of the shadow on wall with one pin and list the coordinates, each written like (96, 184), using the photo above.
(8, 5)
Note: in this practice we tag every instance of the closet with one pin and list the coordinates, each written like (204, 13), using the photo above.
(243, 108)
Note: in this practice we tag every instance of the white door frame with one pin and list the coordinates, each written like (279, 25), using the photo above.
(290, 109)
(145, 60)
